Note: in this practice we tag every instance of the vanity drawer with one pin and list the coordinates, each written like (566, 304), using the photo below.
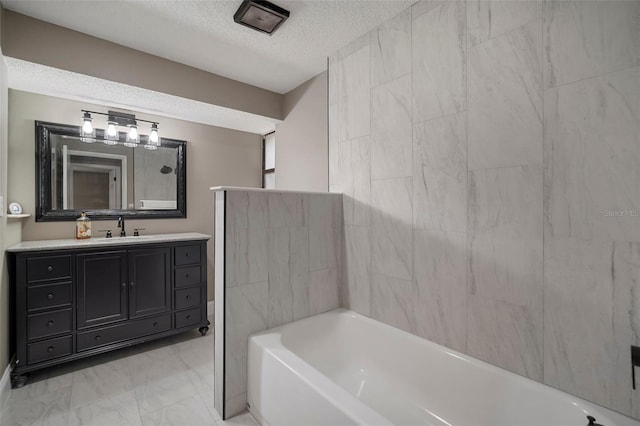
(118, 333)
(49, 349)
(48, 268)
(187, 255)
(187, 276)
(188, 297)
(187, 318)
(49, 296)
(48, 324)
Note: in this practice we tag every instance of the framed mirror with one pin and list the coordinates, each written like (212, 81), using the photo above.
(74, 174)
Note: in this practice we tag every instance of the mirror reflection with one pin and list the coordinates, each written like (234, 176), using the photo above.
(90, 176)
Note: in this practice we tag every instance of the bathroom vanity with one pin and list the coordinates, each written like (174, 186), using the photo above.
(73, 299)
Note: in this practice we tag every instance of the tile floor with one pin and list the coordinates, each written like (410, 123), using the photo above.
(166, 382)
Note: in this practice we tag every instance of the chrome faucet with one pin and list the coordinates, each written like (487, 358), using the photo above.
(123, 233)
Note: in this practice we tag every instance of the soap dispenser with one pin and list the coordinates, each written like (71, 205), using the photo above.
(83, 227)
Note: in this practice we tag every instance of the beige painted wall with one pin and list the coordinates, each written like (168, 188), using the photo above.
(302, 153)
(215, 156)
(43, 43)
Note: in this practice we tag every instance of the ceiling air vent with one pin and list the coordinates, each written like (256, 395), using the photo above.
(260, 15)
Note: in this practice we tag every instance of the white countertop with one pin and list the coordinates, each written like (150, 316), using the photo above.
(252, 189)
(102, 241)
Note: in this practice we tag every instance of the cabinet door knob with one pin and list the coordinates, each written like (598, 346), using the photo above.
(186, 275)
(49, 323)
(124, 285)
(186, 254)
(188, 316)
(49, 268)
(50, 349)
(98, 338)
(132, 284)
(50, 296)
(188, 296)
(155, 324)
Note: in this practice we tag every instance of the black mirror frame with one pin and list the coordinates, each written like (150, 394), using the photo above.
(44, 213)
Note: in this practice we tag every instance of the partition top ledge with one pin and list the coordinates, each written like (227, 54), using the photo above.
(287, 191)
(102, 241)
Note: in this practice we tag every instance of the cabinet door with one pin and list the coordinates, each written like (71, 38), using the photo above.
(101, 288)
(149, 281)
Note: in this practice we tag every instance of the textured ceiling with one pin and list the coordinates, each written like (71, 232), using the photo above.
(201, 33)
(37, 78)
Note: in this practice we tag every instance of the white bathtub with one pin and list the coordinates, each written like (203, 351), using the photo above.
(340, 368)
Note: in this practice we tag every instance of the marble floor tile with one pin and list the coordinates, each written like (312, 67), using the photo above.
(242, 419)
(188, 412)
(50, 408)
(159, 382)
(391, 49)
(99, 382)
(587, 38)
(505, 99)
(118, 409)
(487, 19)
(438, 60)
(94, 391)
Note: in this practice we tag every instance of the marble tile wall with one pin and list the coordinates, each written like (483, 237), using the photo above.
(491, 181)
(282, 262)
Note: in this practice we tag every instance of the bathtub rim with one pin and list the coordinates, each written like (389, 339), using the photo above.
(273, 338)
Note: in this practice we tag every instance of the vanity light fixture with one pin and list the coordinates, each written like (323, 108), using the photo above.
(87, 132)
(260, 15)
(111, 136)
(133, 139)
(154, 140)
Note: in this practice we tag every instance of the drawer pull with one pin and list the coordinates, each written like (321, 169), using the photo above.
(49, 323)
(188, 316)
(186, 275)
(50, 296)
(132, 284)
(50, 349)
(50, 268)
(98, 338)
(188, 297)
(186, 254)
(155, 324)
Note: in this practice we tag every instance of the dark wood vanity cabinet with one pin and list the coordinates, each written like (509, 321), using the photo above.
(74, 303)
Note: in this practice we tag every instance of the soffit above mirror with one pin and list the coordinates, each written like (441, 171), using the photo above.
(36, 78)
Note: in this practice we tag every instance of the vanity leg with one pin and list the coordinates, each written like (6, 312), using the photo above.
(19, 380)
(204, 330)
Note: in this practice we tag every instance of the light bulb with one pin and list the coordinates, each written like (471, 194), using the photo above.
(87, 132)
(132, 137)
(87, 128)
(111, 130)
(153, 136)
